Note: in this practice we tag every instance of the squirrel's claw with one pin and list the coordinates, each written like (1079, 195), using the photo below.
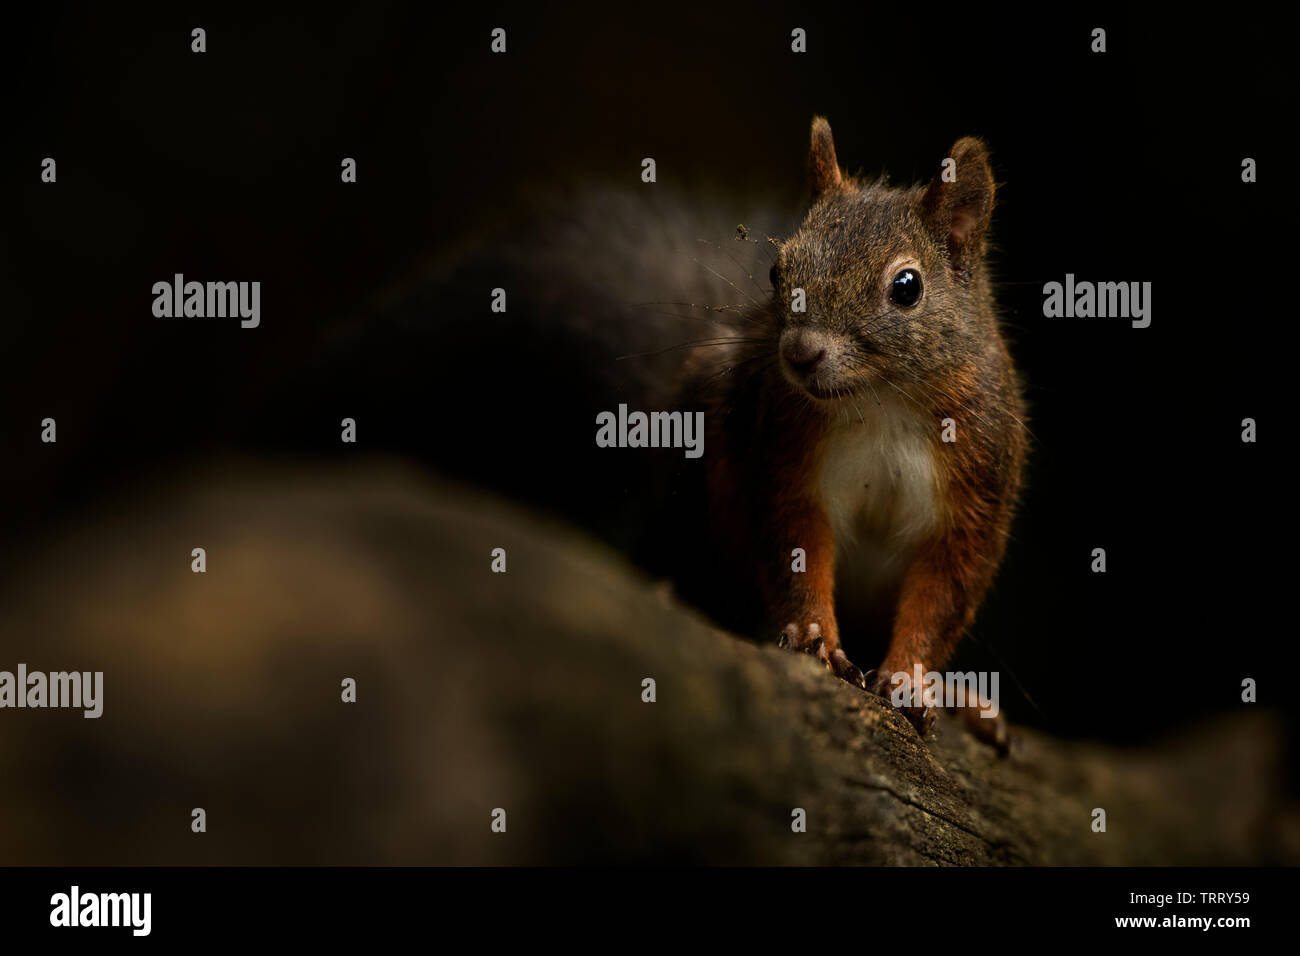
(994, 731)
(846, 670)
(810, 640)
(806, 640)
(921, 718)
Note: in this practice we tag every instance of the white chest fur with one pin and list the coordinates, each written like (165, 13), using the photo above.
(878, 483)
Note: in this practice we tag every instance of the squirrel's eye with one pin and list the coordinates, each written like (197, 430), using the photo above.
(772, 276)
(906, 288)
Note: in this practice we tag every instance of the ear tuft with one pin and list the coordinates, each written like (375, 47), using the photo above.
(823, 169)
(958, 204)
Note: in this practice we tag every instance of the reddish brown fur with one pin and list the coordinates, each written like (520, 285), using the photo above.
(764, 494)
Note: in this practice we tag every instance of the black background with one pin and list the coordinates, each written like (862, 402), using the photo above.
(343, 904)
(1116, 167)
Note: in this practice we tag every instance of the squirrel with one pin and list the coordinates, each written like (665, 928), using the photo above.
(824, 428)
(880, 430)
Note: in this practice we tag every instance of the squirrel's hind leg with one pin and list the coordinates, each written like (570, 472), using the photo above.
(992, 730)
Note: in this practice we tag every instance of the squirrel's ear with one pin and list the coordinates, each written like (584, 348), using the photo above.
(823, 169)
(958, 203)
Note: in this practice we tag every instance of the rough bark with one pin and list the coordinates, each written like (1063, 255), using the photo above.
(520, 691)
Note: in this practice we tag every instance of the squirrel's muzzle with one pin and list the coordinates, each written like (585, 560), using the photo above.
(803, 352)
(811, 359)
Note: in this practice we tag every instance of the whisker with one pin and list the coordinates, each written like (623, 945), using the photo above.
(739, 264)
(729, 282)
(729, 314)
(696, 344)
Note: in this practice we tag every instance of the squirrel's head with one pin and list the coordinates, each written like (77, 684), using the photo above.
(884, 286)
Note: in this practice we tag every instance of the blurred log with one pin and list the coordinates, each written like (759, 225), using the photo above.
(520, 691)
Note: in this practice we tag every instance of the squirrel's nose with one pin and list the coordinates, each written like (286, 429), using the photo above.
(802, 355)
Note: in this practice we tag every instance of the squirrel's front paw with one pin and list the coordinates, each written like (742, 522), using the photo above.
(922, 718)
(880, 683)
(808, 639)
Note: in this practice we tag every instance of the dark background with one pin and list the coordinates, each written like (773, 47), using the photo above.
(1123, 166)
